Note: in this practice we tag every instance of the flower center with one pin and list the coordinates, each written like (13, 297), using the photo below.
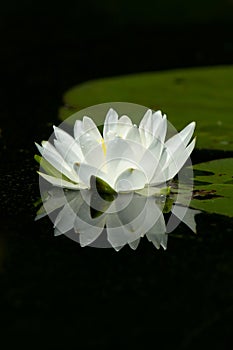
(103, 146)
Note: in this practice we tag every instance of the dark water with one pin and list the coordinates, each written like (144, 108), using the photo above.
(50, 288)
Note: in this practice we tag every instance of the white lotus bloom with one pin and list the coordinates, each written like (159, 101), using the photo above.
(126, 157)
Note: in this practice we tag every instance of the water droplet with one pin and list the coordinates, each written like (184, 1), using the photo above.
(162, 198)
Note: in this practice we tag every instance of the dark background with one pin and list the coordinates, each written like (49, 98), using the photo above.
(48, 46)
(51, 288)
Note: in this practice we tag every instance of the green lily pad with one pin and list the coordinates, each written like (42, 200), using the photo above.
(220, 203)
(217, 197)
(220, 171)
(200, 94)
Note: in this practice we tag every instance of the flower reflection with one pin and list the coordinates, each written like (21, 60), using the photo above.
(105, 220)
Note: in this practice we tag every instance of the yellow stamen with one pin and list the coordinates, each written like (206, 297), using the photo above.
(104, 146)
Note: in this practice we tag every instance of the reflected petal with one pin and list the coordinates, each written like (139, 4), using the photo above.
(186, 215)
(88, 228)
(67, 216)
(127, 218)
(133, 245)
(157, 234)
(117, 235)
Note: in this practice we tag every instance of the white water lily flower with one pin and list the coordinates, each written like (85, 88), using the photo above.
(125, 157)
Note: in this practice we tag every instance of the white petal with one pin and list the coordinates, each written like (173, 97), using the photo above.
(119, 157)
(152, 126)
(47, 146)
(146, 137)
(151, 158)
(161, 174)
(183, 137)
(115, 167)
(56, 160)
(85, 171)
(90, 127)
(71, 153)
(146, 122)
(110, 123)
(160, 178)
(40, 148)
(133, 134)
(156, 120)
(65, 144)
(131, 179)
(91, 137)
(62, 135)
(161, 130)
(60, 182)
(124, 125)
(172, 160)
(178, 159)
(78, 129)
(93, 150)
(88, 228)
(119, 149)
